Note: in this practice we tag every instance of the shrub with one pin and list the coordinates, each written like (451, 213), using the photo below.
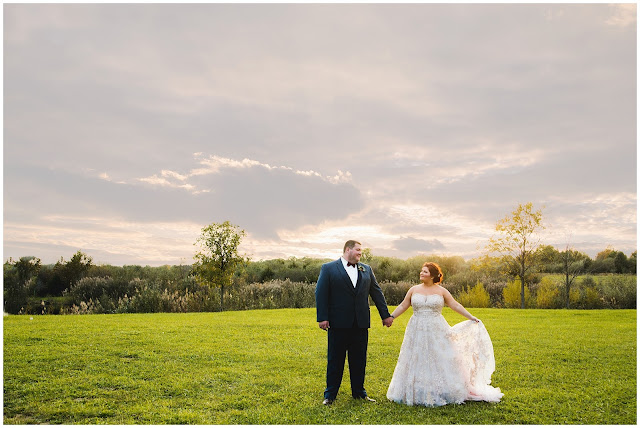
(618, 291)
(574, 297)
(101, 288)
(297, 295)
(495, 290)
(592, 299)
(148, 300)
(16, 295)
(585, 295)
(511, 294)
(548, 295)
(86, 289)
(167, 292)
(455, 288)
(394, 292)
(272, 295)
(46, 305)
(151, 299)
(83, 308)
(476, 297)
(588, 281)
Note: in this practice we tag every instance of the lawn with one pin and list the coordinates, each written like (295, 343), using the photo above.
(268, 366)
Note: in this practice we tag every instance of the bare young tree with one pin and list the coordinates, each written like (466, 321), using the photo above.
(573, 264)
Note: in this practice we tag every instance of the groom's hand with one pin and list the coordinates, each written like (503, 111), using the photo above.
(387, 322)
(324, 325)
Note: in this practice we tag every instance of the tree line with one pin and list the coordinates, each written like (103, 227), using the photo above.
(31, 287)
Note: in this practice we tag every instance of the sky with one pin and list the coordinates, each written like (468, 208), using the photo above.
(412, 128)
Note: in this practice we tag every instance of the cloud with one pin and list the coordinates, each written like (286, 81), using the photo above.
(263, 200)
(623, 15)
(216, 166)
(165, 180)
(421, 246)
(105, 239)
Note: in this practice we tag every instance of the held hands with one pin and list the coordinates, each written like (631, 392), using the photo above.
(386, 322)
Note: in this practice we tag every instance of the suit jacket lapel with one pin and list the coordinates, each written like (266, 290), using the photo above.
(360, 277)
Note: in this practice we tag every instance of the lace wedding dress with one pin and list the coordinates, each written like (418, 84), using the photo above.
(439, 364)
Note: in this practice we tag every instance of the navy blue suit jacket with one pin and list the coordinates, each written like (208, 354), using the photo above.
(344, 306)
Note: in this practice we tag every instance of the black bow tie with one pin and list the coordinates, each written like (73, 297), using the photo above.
(351, 264)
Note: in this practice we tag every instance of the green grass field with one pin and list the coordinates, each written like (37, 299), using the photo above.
(267, 367)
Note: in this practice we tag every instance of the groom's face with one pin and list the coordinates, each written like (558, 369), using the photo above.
(353, 255)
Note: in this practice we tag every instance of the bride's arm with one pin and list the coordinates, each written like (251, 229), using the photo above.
(453, 304)
(404, 305)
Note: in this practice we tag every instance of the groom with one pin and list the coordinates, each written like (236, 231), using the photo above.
(342, 304)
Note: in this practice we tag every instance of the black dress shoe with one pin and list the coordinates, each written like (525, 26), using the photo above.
(327, 401)
(367, 398)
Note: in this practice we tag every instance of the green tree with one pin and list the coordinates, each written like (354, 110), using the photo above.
(606, 253)
(517, 242)
(17, 277)
(78, 266)
(26, 268)
(218, 257)
(633, 262)
(620, 262)
(612, 261)
(367, 256)
(486, 268)
(548, 259)
(66, 274)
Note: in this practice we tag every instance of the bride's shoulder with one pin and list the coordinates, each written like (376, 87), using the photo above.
(443, 290)
(413, 289)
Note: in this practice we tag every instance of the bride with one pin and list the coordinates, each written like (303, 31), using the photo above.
(439, 364)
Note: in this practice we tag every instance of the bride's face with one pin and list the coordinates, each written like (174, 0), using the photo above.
(424, 273)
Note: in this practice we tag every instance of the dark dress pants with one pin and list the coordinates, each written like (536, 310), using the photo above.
(352, 342)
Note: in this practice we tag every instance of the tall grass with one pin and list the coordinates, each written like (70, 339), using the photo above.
(106, 295)
(268, 367)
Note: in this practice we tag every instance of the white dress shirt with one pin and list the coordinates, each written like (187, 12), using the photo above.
(352, 271)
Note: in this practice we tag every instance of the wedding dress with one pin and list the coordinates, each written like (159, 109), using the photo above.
(439, 364)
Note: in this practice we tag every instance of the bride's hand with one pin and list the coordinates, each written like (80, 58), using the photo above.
(474, 319)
